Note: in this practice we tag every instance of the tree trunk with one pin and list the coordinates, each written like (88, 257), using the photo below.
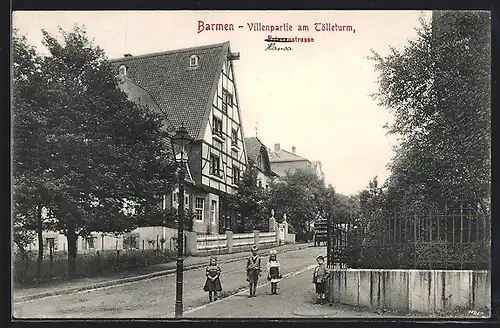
(39, 231)
(72, 238)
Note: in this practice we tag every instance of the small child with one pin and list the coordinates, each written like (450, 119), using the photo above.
(273, 271)
(319, 279)
(212, 284)
(253, 271)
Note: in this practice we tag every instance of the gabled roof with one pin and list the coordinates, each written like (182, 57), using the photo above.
(253, 147)
(285, 156)
(183, 93)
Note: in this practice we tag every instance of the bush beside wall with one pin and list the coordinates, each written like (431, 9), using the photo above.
(91, 264)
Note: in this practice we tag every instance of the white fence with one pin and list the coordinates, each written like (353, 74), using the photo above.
(243, 239)
(267, 238)
(232, 243)
(211, 242)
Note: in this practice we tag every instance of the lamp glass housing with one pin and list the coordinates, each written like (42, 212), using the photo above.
(180, 143)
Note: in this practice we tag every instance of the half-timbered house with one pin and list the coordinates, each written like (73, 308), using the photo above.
(196, 87)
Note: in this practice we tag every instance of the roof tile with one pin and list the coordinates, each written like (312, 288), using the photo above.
(182, 92)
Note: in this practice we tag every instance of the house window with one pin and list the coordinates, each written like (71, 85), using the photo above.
(91, 242)
(176, 200)
(122, 70)
(259, 161)
(130, 210)
(213, 211)
(227, 99)
(50, 242)
(217, 128)
(260, 183)
(214, 165)
(131, 241)
(236, 175)
(199, 208)
(193, 61)
(234, 138)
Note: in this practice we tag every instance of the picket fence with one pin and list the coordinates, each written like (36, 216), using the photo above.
(229, 242)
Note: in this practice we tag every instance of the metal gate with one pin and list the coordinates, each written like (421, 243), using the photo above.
(336, 244)
(450, 238)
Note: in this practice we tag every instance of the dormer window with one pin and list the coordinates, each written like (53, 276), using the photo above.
(193, 61)
(122, 70)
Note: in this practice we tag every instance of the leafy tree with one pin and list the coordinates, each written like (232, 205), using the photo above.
(101, 148)
(302, 197)
(438, 88)
(30, 165)
(251, 202)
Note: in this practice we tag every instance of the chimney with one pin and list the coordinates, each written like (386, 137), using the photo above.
(276, 147)
(127, 55)
(294, 150)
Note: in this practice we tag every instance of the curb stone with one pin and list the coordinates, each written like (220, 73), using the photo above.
(131, 279)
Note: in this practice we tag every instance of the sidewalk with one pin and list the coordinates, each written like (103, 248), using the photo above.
(336, 310)
(81, 284)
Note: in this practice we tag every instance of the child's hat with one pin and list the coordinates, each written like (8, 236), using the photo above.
(213, 258)
(320, 257)
(272, 251)
(254, 248)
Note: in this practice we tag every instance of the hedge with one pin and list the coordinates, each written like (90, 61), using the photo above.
(90, 264)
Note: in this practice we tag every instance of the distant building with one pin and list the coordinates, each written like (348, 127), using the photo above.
(283, 161)
(258, 156)
(318, 169)
(197, 87)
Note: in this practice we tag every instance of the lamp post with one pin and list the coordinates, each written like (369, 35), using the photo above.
(180, 141)
(329, 243)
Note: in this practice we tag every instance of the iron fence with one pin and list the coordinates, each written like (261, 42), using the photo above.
(454, 238)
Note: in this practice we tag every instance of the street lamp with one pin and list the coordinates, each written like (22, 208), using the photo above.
(180, 141)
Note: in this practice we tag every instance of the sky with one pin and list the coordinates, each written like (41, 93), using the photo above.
(315, 97)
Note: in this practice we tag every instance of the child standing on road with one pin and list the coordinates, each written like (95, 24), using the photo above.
(253, 271)
(212, 284)
(273, 271)
(319, 279)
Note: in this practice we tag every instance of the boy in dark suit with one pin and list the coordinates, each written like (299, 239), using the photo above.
(253, 271)
(319, 279)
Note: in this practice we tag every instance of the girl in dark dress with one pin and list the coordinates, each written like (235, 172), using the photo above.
(212, 284)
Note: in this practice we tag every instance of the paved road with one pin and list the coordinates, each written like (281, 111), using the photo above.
(155, 298)
(295, 299)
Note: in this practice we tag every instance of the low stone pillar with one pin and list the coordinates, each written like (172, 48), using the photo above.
(191, 242)
(277, 232)
(256, 237)
(229, 241)
(272, 224)
(285, 235)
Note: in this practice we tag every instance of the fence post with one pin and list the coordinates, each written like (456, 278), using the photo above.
(157, 243)
(51, 256)
(143, 245)
(184, 237)
(102, 241)
(117, 257)
(256, 238)
(229, 241)
(99, 265)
